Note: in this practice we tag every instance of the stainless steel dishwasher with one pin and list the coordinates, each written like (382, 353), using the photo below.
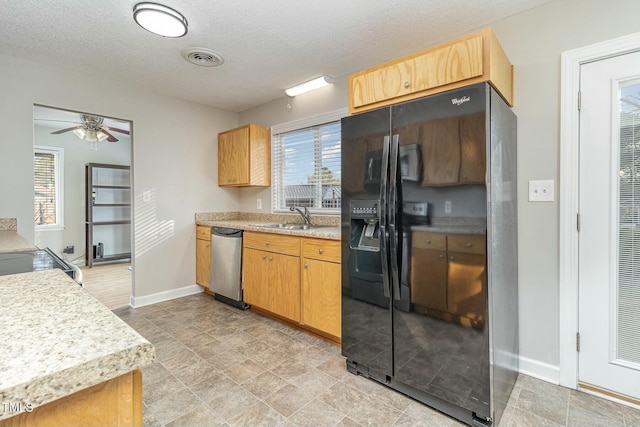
(226, 266)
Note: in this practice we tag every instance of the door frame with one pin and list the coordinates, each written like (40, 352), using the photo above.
(571, 62)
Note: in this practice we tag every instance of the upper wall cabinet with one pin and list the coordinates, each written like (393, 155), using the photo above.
(474, 58)
(244, 157)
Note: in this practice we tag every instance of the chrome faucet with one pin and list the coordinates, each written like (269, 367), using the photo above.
(306, 215)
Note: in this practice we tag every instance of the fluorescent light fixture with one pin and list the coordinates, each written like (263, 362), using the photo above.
(159, 19)
(310, 85)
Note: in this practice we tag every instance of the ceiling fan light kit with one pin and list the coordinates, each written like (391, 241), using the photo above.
(159, 19)
(93, 130)
(310, 85)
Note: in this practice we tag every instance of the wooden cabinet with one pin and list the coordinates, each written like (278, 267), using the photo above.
(448, 275)
(466, 277)
(203, 255)
(321, 288)
(272, 273)
(453, 150)
(116, 402)
(428, 283)
(256, 277)
(474, 58)
(295, 278)
(244, 157)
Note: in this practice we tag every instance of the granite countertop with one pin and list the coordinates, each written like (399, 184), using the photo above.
(450, 229)
(453, 225)
(11, 241)
(58, 339)
(247, 221)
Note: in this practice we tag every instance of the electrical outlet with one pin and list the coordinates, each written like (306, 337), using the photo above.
(258, 203)
(447, 206)
(541, 191)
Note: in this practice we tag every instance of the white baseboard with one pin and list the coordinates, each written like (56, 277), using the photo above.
(137, 302)
(540, 370)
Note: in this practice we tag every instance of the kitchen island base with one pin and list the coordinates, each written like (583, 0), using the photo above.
(116, 402)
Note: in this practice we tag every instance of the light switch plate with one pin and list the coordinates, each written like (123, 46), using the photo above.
(541, 191)
(258, 203)
(146, 196)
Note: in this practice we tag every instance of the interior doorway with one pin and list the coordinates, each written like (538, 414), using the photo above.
(596, 284)
(69, 207)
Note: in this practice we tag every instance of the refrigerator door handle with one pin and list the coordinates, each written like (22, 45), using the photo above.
(382, 217)
(393, 232)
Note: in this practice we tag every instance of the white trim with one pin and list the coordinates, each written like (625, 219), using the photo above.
(137, 302)
(540, 370)
(306, 122)
(569, 168)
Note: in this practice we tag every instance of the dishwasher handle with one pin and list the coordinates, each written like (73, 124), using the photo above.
(226, 232)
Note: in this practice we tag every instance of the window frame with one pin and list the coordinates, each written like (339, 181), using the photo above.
(294, 125)
(58, 154)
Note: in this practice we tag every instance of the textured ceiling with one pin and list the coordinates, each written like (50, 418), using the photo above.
(267, 45)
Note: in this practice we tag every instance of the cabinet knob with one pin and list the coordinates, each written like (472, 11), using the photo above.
(266, 243)
(468, 245)
(264, 256)
(320, 250)
(451, 257)
(428, 241)
(306, 265)
(406, 84)
(441, 256)
(270, 258)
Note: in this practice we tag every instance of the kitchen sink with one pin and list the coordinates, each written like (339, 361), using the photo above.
(288, 226)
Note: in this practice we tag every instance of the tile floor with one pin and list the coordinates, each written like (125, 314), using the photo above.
(219, 366)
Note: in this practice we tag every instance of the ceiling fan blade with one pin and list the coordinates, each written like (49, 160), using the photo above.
(116, 130)
(66, 130)
(110, 137)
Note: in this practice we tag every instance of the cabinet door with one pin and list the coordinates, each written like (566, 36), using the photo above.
(467, 287)
(284, 285)
(233, 157)
(472, 149)
(203, 262)
(440, 66)
(440, 152)
(321, 296)
(429, 278)
(256, 276)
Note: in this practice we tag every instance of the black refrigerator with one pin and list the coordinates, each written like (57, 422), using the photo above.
(429, 259)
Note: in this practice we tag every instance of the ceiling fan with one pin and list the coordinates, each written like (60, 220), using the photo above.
(92, 129)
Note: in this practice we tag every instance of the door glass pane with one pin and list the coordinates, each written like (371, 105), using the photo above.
(628, 310)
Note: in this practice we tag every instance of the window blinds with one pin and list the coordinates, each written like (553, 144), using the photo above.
(307, 167)
(45, 188)
(628, 310)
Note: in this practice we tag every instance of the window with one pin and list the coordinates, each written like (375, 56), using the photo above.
(306, 163)
(47, 166)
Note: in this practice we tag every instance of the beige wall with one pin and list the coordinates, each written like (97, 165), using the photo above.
(174, 157)
(533, 40)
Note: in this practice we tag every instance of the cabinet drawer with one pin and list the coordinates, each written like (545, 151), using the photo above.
(428, 240)
(321, 249)
(203, 232)
(467, 243)
(272, 242)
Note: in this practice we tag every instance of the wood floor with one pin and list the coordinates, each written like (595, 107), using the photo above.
(110, 283)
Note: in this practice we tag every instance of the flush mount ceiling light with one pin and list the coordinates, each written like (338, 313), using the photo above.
(310, 85)
(159, 19)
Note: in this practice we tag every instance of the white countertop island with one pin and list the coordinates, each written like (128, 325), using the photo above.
(58, 340)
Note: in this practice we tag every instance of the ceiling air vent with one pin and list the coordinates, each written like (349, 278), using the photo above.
(203, 57)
